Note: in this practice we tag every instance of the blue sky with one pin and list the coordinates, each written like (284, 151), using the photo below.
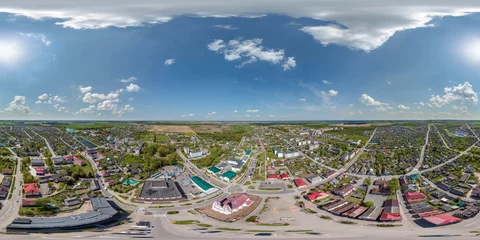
(283, 65)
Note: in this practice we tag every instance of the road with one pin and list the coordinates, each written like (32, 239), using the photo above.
(48, 144)
(357, 156)
(192, 167)
(11, 206)
(422, 154)
(441, 137)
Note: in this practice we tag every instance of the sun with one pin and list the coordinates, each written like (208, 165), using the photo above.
(10, 52)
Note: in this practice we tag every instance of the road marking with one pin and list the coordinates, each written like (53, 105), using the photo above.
(159, 215)
(6, 212)
(471, 223)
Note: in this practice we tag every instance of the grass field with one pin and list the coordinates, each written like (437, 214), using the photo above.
(93, 125)
(241, 127)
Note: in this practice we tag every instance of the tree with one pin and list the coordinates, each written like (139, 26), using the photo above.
(367, 181)
(393, 185)
(368, 204)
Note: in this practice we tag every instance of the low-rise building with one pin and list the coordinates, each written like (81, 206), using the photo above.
(415, 197)
(232, 205)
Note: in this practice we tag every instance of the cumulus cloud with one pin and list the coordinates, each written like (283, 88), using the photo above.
(169, 61)
(212, 113)
(250, 51)
(96, 97)
(49, 99)
(462, 109)
(130, 79)
(89, 109)
(302, 99)
(369, 101)
(85, 89)
(235, 111)
(403, 107)
(120, 111)
(228, 27)
(18, 105)
(363, 25)
(187, 115)
(37, 36)
(253, 111)
(62, 109)
(107, 105)
(326, 82)
(461, 92)
(132, 88)
(289, 64)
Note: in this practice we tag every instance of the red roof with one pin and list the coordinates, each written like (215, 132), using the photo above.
(284, 175)
(31, 189)
(386, 216)
(442, 219)
(273, 176)
(237, 201)
(316, 195)
(105, 173)
(28, 201)
(414, 195)
(40, 170)
(299, 182)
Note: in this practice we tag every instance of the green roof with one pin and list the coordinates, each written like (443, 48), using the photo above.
(130, 182)
(201, 183)
(229, 174)
(414, 176)
(213, 169)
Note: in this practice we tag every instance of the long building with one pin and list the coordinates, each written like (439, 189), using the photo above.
(204, 186)
(101, 212)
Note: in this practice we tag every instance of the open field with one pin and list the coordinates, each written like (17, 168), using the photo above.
(90, 125)
(210, 128)
(170, 128)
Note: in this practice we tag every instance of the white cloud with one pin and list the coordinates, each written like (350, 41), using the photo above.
(462, 109)
(302, 99)
(212, 113)
(170, 61)
(235, 111)
(403, 107)
(250, 51)
(130, 79)
(49, 99)
(363, 25)
(228, 27)
(388, 82)
(271, 116)
(18, 105)
(327, 95)
(37, 36)
(253, 111)
(461, 92)
(122, 110)
(42, 99)
(132, 88)
(187, 115)
(89, 109)
(107, 105)
(326, 82)
(131, 99)
(383, 108)
(369, 101)
(97, 97)
(62, 109)
(85, 89)
(289, 63)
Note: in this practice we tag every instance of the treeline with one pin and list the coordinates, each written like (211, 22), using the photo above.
(227, 136)
(213, 158)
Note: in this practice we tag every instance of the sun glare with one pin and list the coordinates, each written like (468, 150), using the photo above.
(472, 50)
(9, 52)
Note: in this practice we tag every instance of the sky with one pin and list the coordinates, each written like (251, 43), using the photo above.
(239, 60)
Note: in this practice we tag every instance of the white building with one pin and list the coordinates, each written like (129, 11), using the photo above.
(232, 205)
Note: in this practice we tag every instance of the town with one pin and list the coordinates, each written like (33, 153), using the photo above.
(292, 179)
